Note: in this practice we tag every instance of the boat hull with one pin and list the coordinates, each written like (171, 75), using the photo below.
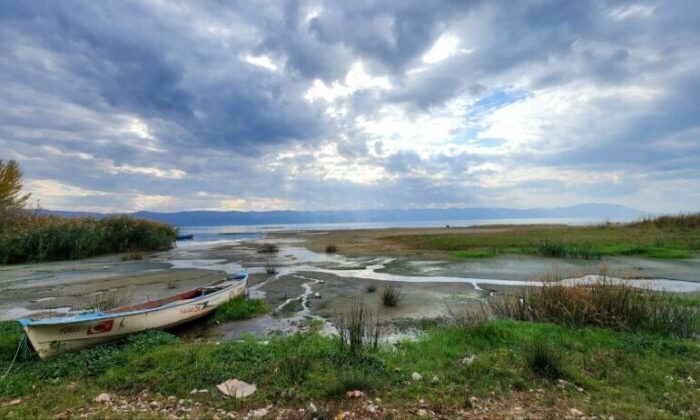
(50, 339)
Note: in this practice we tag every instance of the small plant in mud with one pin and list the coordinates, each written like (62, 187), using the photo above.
(268, 249)
(358, 329)
(330, 249)
(391, 296)
(132, 256)
(543, 359)
(270, 270)
(371, 288)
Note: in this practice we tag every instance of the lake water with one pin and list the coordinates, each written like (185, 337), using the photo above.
(233, 232)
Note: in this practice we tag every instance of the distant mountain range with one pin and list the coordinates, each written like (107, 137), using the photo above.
(212, 218)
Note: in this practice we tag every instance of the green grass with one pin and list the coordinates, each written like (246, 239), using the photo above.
(666, 239)
(240, 308)
(622, 374)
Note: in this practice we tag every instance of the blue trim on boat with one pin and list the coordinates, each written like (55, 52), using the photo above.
(90, 316)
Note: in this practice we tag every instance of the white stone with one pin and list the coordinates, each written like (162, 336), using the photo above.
(236, 388)
(576, 412)
(259, 413)
(416, 376)
(103, 398)
(317, 295)
(312, 407)
(435, 380)
(422, 413)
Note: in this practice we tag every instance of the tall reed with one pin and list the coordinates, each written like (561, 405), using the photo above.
(48, 238)
(602, 304)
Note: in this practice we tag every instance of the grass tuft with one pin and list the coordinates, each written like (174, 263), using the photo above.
(331, 249)
(391, 296)
(240, 308)
(544, 359)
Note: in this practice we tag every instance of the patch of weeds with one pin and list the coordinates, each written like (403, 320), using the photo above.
(371, 288)
(391, 296)
(240, 308)
(268, 248)
(270, 270)
(331, 249)
(296, 367)
(544, 360)
(358, 329)
(351, 380)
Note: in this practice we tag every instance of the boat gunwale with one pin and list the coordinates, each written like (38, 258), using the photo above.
(94, 316)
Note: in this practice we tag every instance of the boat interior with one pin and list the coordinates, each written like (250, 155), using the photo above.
(189, 295)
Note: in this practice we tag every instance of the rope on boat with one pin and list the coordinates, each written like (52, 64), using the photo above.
(19, 346)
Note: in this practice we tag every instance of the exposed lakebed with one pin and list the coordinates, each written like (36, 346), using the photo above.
(428, 285)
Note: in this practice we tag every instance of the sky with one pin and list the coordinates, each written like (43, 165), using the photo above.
(253, 105)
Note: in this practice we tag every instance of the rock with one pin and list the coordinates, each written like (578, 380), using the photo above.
(103, 398)
(312, 407)
(317, 295)
(198, 391)
(355, 394)
(259, 413)
(416, 376)
(421, 402)
(435, 380)
(154, 405)
(236, 388)
(690, 380)
(422, 412)
(576, 412)
(12, 402)
(469, 360)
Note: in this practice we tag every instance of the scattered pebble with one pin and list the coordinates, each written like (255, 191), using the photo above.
(355, 394)
(435, 380)
(103, 398)
(576, 412)
(416, 376)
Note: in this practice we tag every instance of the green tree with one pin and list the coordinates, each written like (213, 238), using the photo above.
(12, 201)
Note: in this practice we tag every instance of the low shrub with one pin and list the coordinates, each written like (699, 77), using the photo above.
(330, 249)
(371, 288)
(391, 296)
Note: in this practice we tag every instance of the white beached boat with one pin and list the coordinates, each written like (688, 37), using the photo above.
(56, 335)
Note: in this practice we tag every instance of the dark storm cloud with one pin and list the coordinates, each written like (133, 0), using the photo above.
(149, 98)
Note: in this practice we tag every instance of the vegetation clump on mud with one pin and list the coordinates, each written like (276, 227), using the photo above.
(240, 308)
(661, 237)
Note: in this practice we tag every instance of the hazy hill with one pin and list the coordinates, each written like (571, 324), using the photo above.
(210, 218)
